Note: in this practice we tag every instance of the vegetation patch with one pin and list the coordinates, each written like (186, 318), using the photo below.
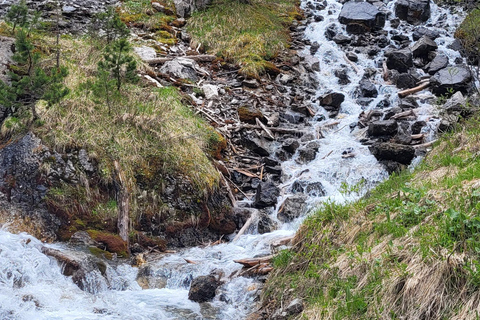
(469, 34)
(409, 250)
(248, 34)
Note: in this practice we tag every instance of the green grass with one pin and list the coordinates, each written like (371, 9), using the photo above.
(246, 34)
(418, 230)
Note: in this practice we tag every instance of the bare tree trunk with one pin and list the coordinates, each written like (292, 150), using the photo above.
(123, 202)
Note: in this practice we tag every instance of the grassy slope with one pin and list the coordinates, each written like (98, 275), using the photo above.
(246, 34)
(407, 251)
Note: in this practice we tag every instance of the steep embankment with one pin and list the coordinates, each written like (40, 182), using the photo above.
(407, 250)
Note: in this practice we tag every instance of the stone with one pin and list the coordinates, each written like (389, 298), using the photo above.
(290, 145)
(423, 31)
(423, 47)
(361, 17)
(82, 238)
(294, 307)
(400, 60)
(308, 152)
(408, 103)
(312, 63)
(145, 53)
(368, 89)
(265, 223)
(313, 189)
(185, 8)
(417, 126)
(383, 128)
(456, 78)
(285, 78)
(267, 194)
(393, 152)
(182, 68)
(203, 288)
(85, 161)
(413, 11)
(332, 101)
(342, 76)
(352, 56)
(405, 81)
(6, 53)
(251, 83)
(293, 207)
(256, 145)
(455, 104)
(438, 63)
(248, 114)
(210, 91)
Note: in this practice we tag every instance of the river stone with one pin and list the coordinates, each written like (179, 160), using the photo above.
(438, 63)
(417, 126)
(265, 223)
(361, 17)
(392, 151)
(313, 189)
(405, 81)
(332, 101)
(203, 288)
(423, 31)
(423, 47)
(294, 307)
(456, 78)
(267, 194)
(400, 60)
(383, 128)
(182, 68)
(256, 145)
(455, 104)
(308, 152)
(293, 207)
(290, 145)
(368, 89)
(413, 11)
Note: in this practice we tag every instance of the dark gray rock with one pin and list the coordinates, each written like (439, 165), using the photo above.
(438, 63)
(361, 17)
(203, 288)
(417, 126)
(265, 223)
(393, 152)
(400, 60)
(342, 76)
(257, 145)
(308, 152)
(294, 307)
(456, 78)
(413, 11)
(423, 31)
(293, 207)
(313, 189)
(267, 194)
(368, 89)
(405, 81)
(423, 47)
(332, 101)
(383, 128)
(290, 145)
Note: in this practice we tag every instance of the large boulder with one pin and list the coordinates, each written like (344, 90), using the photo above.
(182, 68)
(393, 152)
(292, 208)
(361, 17)
(185, 8)
(423, 47)
(400, 60)
(383, 128)
(413, 11)
(456, 78)
(203, 288)
(267, 194)
(331, 102)
(438, 63)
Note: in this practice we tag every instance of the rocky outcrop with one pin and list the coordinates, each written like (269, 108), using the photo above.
(403, 154)
(185, 8)
(361, 17)
(182, 68)
(413, 11)
(203, 288)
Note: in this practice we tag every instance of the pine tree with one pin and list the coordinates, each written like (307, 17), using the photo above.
(110, 22)
(119, 62)
(17, 15)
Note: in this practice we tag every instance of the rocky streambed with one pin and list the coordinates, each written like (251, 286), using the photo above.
(334, 116)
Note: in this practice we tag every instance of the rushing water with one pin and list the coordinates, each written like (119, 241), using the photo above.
(33, 287)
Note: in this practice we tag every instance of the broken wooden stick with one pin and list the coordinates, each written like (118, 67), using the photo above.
(407, 92)
(197, 58)
(351, 63)
(424, 145)
(269, 133)
(254, 261)
(282, 242)
(272, 129)
(404, 114)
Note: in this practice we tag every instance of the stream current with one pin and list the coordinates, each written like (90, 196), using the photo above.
(32, 285)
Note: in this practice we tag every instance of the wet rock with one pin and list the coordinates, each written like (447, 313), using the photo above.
(284, 78)
(290, 145)
(456, 78)
(417, 126)
(293, 207)
(82, 238)
(308, 153)
(405, 81)
(394, 23)
(447, 123)
(438, 63)
(313, 189)
(342, 76)
(331, 31)
(400, 60)
(361, 17)
(423, 31)
(340, 38)
(311, 63)
(332, 102)
(383, 128)
(203, 288)
(267, 194)
(368, 89)
(256, 145)
(423, 47)
(314, 47)
(265, 223)
(391, 112)
(393, 152)
(352, 56)
(456, 104)
(248, 114)
(241, 215)
(413, 11)
(392, 166)
(182, 68)
(408, 103)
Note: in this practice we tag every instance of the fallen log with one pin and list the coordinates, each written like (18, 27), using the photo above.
(254, 261)
(407, 92)
(418, 136)
(197, 58)
(282, 242)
